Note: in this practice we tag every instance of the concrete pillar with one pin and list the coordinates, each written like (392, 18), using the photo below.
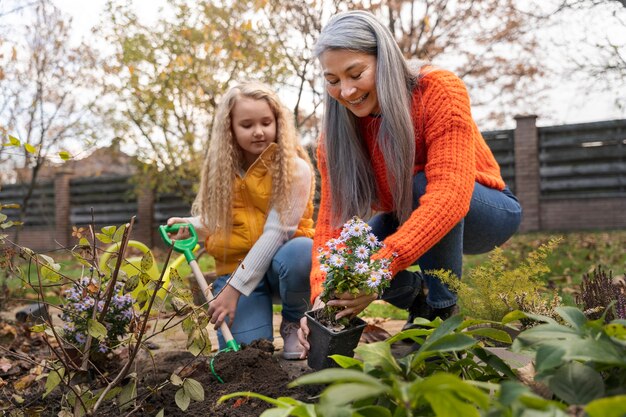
(527, 179)
(62, 206)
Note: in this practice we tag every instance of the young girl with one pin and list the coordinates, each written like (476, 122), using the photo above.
(254, 210)
(404, 144)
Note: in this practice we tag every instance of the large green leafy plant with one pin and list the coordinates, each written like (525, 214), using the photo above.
(582, 361)
(448, 374)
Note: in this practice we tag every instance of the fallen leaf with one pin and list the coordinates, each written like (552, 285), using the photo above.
(5, 364)
(24, 382)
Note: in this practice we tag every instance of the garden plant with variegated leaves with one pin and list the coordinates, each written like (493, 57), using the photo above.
(349, 266)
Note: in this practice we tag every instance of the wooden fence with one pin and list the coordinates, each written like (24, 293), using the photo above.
(570, 177)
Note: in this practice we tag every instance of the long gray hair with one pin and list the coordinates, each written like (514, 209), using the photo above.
(352, 183)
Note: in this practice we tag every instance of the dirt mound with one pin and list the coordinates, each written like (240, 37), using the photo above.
(253, 368)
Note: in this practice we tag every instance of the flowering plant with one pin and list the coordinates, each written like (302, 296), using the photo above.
(349, 266)
(78, 314)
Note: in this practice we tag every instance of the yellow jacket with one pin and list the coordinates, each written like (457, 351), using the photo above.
(251, 205)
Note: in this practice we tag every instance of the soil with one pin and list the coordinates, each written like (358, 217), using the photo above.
(255, 368)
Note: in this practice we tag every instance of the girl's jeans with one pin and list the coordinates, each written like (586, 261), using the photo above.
(492, 219)
(287, 280)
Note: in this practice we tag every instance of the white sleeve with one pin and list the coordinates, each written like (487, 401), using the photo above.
(275, 233)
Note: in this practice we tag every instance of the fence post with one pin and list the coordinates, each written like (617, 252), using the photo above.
(62, 206)
(145, 214)
(527, 178)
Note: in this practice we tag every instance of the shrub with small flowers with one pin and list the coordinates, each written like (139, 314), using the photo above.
(78, 310)
(349, 266)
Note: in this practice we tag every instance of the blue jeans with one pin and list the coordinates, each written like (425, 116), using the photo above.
(287, 281)
(492, 219)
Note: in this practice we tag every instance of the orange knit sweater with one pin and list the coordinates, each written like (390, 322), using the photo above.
(451, 152)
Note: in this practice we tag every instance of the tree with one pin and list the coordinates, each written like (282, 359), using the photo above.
(490, 44)
(167, 78)
(595, 52)
(48, 92)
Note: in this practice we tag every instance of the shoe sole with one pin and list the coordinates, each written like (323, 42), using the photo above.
(291, 356)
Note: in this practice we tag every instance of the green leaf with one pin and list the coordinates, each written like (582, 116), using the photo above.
(54, 379)
(347, 362)
(549, 357)
(175, 279)
(446, 404)
(38, 328)
(30, 148)
(374, 411)
(576, 383)
(607, 407)
(514, 315)
(450, 343)
(14, 141)
(277, 402)
(194, 389)
(6, 225)
(147, 261)
(109, 230)
(491, 333)
(103, 238)
(182, 399)
(128, 394)
(378, 355)
(96, 329)
(119, 233)
(328, 376)
(131, 283)
(160, 413)
(510, 391)
(572, 315)
(346, 393)
(64, 155)
(176, 380)
(3, 217)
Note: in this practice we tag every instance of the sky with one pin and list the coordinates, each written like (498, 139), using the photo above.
(566, 103)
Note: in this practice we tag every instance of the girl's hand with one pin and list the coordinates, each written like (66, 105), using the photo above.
(352, 305)
(224, 305)
(303, 331)
(183, 232)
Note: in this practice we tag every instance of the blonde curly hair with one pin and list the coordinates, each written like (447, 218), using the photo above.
(213, 203)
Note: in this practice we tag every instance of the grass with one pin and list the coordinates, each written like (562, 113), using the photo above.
(579, 253)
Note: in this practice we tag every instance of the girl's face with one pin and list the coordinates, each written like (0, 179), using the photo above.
(254, 127)
(351, 80)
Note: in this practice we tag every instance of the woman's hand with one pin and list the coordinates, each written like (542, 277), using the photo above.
(351, 304)
(303, 331)
(224, 305)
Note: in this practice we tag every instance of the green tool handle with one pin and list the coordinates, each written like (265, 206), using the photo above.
(184, 246)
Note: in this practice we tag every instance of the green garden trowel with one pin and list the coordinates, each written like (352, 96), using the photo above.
(186, 247)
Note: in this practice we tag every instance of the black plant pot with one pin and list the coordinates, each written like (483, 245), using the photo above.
(325, 342)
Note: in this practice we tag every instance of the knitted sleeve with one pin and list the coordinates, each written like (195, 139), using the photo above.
(323, 228)
(450, 170)
(276, 232)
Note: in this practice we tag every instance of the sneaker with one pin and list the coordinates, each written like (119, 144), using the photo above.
(292, 349)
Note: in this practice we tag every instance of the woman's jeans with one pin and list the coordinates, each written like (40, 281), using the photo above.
(286, 280)
(492, 219)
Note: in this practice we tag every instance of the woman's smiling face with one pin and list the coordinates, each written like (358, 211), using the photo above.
(351, 80)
